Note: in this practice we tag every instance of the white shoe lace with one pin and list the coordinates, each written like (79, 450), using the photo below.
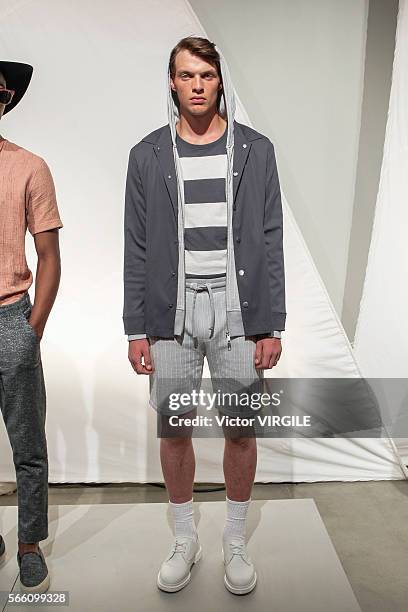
(237, 548)
(179, 547)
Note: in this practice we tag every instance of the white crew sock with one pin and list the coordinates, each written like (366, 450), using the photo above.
(183, 515)
(235, 524)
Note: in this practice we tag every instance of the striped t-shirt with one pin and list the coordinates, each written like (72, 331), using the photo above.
(204, 168)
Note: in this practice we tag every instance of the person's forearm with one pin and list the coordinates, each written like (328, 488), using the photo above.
(46, 288)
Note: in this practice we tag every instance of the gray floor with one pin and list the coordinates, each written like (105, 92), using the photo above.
(106, 556)
(366, 521)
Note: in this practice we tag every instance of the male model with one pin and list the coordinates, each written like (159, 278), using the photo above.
(27, 199)
(203, 276)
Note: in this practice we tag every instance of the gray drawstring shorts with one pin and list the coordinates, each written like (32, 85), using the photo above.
(178, 361)
(23, 405)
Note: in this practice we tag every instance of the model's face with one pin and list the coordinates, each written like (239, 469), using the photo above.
(2, 86)
(197, 84)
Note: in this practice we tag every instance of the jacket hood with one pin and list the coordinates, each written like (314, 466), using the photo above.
(227, 110)
(227, 104)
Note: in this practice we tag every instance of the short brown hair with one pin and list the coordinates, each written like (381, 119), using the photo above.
(201, 47)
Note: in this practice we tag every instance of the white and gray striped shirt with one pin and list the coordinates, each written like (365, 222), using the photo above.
(204, 169)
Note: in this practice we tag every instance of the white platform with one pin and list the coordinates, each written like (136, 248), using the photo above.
(107, 557)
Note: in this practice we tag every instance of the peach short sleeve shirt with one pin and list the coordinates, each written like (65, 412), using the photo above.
(27, 200)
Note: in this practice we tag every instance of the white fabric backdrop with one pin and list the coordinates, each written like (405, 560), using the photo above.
(381, 342)
(98, 87)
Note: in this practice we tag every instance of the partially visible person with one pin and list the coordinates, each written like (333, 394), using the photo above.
(27, 200)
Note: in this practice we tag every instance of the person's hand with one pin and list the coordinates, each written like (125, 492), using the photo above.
(137, 350)
(267, 353)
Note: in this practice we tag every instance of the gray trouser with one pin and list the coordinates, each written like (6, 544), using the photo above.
(23, 405)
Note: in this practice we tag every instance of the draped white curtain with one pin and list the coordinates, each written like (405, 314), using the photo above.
(381, 342)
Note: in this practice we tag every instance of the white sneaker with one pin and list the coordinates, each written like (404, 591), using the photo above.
(240, 575)
(174, 572)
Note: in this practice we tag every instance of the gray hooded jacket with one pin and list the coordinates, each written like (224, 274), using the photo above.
(154, 265)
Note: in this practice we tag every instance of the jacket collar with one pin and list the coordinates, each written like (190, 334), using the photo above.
(163, 148)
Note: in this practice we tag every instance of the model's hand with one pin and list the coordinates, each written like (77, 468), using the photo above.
(137, 350)
(267, 353)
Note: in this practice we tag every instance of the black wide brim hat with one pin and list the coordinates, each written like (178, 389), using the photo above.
(18, 77)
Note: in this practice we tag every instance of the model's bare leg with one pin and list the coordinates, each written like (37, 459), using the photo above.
(23, 548)
(178, 466)
(240, 456)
